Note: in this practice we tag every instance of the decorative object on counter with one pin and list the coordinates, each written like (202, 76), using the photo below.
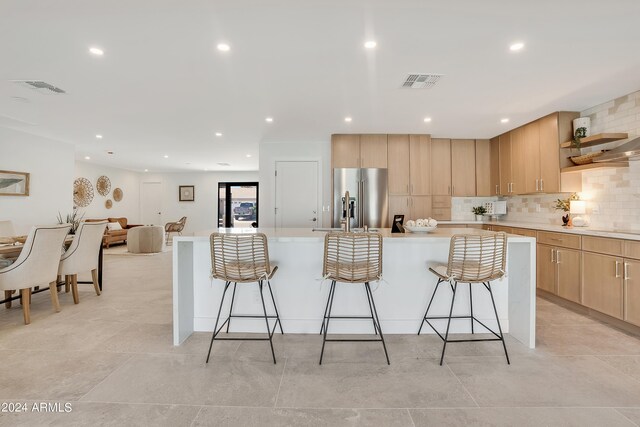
(117, 194)
(82, 192)
(585, 159)
(72, 219)
(14, 183)
(479, 211)
(565, 206)
(108, 204)
(421, 225)
(578, 208)
(103, 185)
(186, 193)
(499, 207)
(581, 129)
(397, 226)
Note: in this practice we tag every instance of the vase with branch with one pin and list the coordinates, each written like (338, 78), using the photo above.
(565, 205)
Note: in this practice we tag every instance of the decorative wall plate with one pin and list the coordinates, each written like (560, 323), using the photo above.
(117, 194)
(82, 192)
(108, 204)
(103, 185)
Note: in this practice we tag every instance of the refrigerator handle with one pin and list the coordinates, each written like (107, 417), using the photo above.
(361, 204)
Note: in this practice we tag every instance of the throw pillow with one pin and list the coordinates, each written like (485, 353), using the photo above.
(113, 226)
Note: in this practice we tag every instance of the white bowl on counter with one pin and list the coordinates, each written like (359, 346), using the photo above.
(416, 229)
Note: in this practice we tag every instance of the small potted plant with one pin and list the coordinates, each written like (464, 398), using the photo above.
(564, 205)
(479, 211)
(72, 219)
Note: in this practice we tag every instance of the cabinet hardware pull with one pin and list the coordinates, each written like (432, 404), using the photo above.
(411, 188)
(407, 201)
(617, 268)
(537, 184)
(553, 252)
(541, 184)
(558, 257)
(407, 188)
(626, 271)
(448, 189)
(497, 192)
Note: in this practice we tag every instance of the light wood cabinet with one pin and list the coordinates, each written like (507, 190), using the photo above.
(518, 160)
(494, 166)
(602, 283)
(420, 207)
(373, 151)
(632, 291)
(546, 268)
(398, 158)
(419, 165)
(463, 180)
(345, 151)
(441, 167)
(441, 208)
(569, 274)
(483, 168)
(399, 205)
(504, 142)
(549, 143)
(524, 232)
(531, 165)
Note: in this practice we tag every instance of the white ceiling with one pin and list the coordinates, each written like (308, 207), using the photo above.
(162, 87)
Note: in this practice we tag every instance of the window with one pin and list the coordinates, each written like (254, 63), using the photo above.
(238, 204)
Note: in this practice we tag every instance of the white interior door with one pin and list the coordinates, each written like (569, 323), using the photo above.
(297, 194)
(151, 203)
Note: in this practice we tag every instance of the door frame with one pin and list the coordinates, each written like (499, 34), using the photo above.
(319, 198)
(227, 195)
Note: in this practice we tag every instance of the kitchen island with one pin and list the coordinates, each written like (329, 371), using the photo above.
(401, 296)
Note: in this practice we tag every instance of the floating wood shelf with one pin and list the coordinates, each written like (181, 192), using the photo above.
(601, 138)
(590, 166)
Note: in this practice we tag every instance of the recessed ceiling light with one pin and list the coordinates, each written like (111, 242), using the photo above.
(516, 46)
(96, 51)
(248, 155)
(146, 170)
(98, 136)
(371, 44)
(206, 170)
(87, 158)
(505, 120)
(166, 156)
(348, 119)
(223, 47)
(224, 164)
(188, 163)
(427, 119)
(218, 134)
(269, 119)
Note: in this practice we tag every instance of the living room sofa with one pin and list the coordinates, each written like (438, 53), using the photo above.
(115, 236)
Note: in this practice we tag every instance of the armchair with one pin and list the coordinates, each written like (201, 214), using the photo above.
(174, 227)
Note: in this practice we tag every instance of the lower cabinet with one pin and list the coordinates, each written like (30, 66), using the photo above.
(412, 207)
(631, 275)
(558, 271)
(546, 268)
(602, 284)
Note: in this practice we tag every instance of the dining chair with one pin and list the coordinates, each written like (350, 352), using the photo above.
(82, 255)
(174, 227)
(36, 265)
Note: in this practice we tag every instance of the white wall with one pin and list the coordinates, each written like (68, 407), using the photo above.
(202, 213)
(272, 152)
(51, 165)
(126, 180)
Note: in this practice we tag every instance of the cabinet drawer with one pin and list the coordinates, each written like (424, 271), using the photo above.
(632, 249)
(441, 201)
(501, 228)
(524, 232)
(477, 226)
(559, 239)
(602, 245)
(441, 214)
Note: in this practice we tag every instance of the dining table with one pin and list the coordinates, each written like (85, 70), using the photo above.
(13, 251)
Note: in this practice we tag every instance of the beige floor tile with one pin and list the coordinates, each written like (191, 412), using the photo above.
(630, 365)
(595, 339)
(551, 381)
(404, 384)
(264, 417)
(105, 414)
(632, 414)
(58, 375)
(521, 417)
(186, 379)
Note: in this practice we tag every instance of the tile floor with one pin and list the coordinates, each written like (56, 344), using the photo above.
(112, 358)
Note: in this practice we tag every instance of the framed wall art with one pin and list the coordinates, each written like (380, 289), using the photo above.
(186, 193)
(14, 183)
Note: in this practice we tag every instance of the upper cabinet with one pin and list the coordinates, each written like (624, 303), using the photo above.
(494, 172)
(441, 167)
(419, 165)
(483, 168)
(359, 151)
(397, 160)
(463, 177)
(505, 164)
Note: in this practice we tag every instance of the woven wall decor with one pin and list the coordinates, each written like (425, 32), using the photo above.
(103, 185)
(82, 192)
(108, 204)
(117, 194)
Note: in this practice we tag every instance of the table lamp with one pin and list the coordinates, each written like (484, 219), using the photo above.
(576, 209)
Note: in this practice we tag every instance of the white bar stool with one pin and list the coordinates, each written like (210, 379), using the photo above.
(472, 259)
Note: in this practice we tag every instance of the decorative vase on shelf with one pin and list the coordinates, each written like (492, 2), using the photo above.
(582, 122)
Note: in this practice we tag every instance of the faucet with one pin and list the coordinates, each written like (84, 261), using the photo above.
(347, 219)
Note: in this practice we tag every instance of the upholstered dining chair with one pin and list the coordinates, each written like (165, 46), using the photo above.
(174, 227)
(36, 265)
(82, 256)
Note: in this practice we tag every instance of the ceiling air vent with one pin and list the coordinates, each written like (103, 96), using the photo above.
(223, 164)
(40, 86)
(421, 81)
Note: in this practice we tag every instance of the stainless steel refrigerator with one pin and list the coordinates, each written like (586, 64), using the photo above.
(368, 193)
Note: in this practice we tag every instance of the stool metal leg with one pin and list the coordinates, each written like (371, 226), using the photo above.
(326, 326)
(375, 327)
(275, 307)
(377, 320)
(446, 335)
(471, 304)
(326, 308)
(215, 329)
(266, 319)
(233, 298)
(488, 285)
(429, 305)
